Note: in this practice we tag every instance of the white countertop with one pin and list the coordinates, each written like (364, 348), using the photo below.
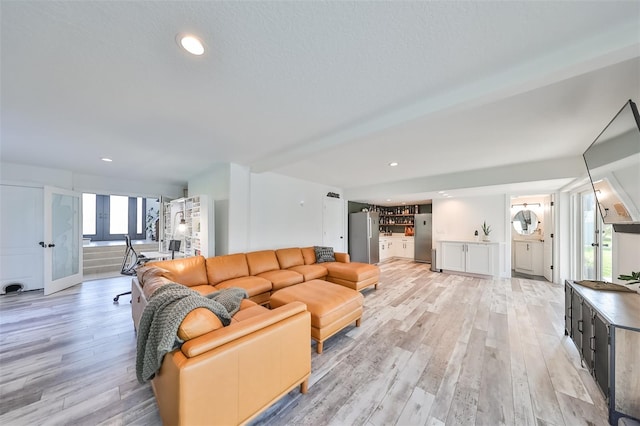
(479, 241)
(394, 236)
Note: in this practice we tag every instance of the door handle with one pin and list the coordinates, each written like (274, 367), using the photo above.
(51, 245)
(592, 339)
(594, 244)
(42, 244)
(579, 326)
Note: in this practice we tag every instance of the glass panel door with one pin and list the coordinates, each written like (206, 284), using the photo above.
(588, 236)
(596, 259)
(62, 239)
(606, 258)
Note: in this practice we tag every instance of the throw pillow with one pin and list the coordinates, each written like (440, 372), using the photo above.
(324, 254)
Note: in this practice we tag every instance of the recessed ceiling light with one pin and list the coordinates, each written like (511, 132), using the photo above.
(191, 44)
(106, 159)
(441, 192)
(388, 199)
(393, 164)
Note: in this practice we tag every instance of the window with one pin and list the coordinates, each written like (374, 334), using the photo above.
(89, 214)
(111, 217)
(118, 214)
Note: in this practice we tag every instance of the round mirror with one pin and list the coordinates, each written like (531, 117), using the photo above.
(525, 222)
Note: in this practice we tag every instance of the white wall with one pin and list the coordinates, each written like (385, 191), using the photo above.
(458, 218)
(255, 211)
(132, 188)
(35, 176)
(626, 254)
(40, 176)
(565, 238)
(285, 212)
(240, 208)
(214, 183)
(228, 186)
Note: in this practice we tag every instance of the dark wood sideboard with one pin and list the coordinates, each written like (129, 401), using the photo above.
(605, 327)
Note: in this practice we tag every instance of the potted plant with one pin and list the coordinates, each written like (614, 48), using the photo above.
(152, 216)
(634, 280)
(486, 229)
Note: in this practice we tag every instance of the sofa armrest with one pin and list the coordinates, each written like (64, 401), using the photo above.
(217, 338)
(342, 257)
(233, 382)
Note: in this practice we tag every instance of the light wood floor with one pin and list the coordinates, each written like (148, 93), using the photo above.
(432, 349)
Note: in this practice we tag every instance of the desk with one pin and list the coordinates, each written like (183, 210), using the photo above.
(160, 255)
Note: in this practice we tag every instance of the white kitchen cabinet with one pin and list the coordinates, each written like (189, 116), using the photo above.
(452, 256)
(480, 258)
(470, 257)
(384, 250)
(397, 246)
(393, 245)
(528, 257)
(409, 248)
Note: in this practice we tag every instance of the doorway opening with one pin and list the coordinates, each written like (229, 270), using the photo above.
(532, 233)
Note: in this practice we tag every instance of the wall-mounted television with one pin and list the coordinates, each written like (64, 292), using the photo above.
(613, 163)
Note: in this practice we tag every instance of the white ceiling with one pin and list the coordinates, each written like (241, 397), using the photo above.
(323, 91)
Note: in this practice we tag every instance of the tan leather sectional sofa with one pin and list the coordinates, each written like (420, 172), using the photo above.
(228, 375)
(260, 273)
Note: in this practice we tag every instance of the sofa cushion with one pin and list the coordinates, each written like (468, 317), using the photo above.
(342, 257)
(309, 255)
(353, 271)
(151, 278)
(310, 272)
(262, 261)
(289, 257)
(189, 271)
(198, 322)
(327, 302)
(152, 283)
(204, 289)
(252, 285)
(324, 254)
(201, 320)
(248, 310)
(282, 278)
(227, 267)
(148, 271)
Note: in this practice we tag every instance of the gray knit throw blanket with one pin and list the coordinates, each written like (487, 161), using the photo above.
(161, 318)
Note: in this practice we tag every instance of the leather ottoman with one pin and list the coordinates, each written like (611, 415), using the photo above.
(354, 275)
(332, 306)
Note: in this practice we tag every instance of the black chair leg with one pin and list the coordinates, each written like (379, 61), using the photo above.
(115, 299)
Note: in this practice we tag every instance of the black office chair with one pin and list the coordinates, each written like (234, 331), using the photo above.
(130, 263)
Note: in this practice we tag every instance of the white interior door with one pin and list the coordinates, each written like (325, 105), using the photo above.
(333, 224)
(21, 229)
(62, 239)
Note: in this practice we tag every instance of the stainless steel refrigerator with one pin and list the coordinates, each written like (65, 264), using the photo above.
(363, 237)
(422, 237)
